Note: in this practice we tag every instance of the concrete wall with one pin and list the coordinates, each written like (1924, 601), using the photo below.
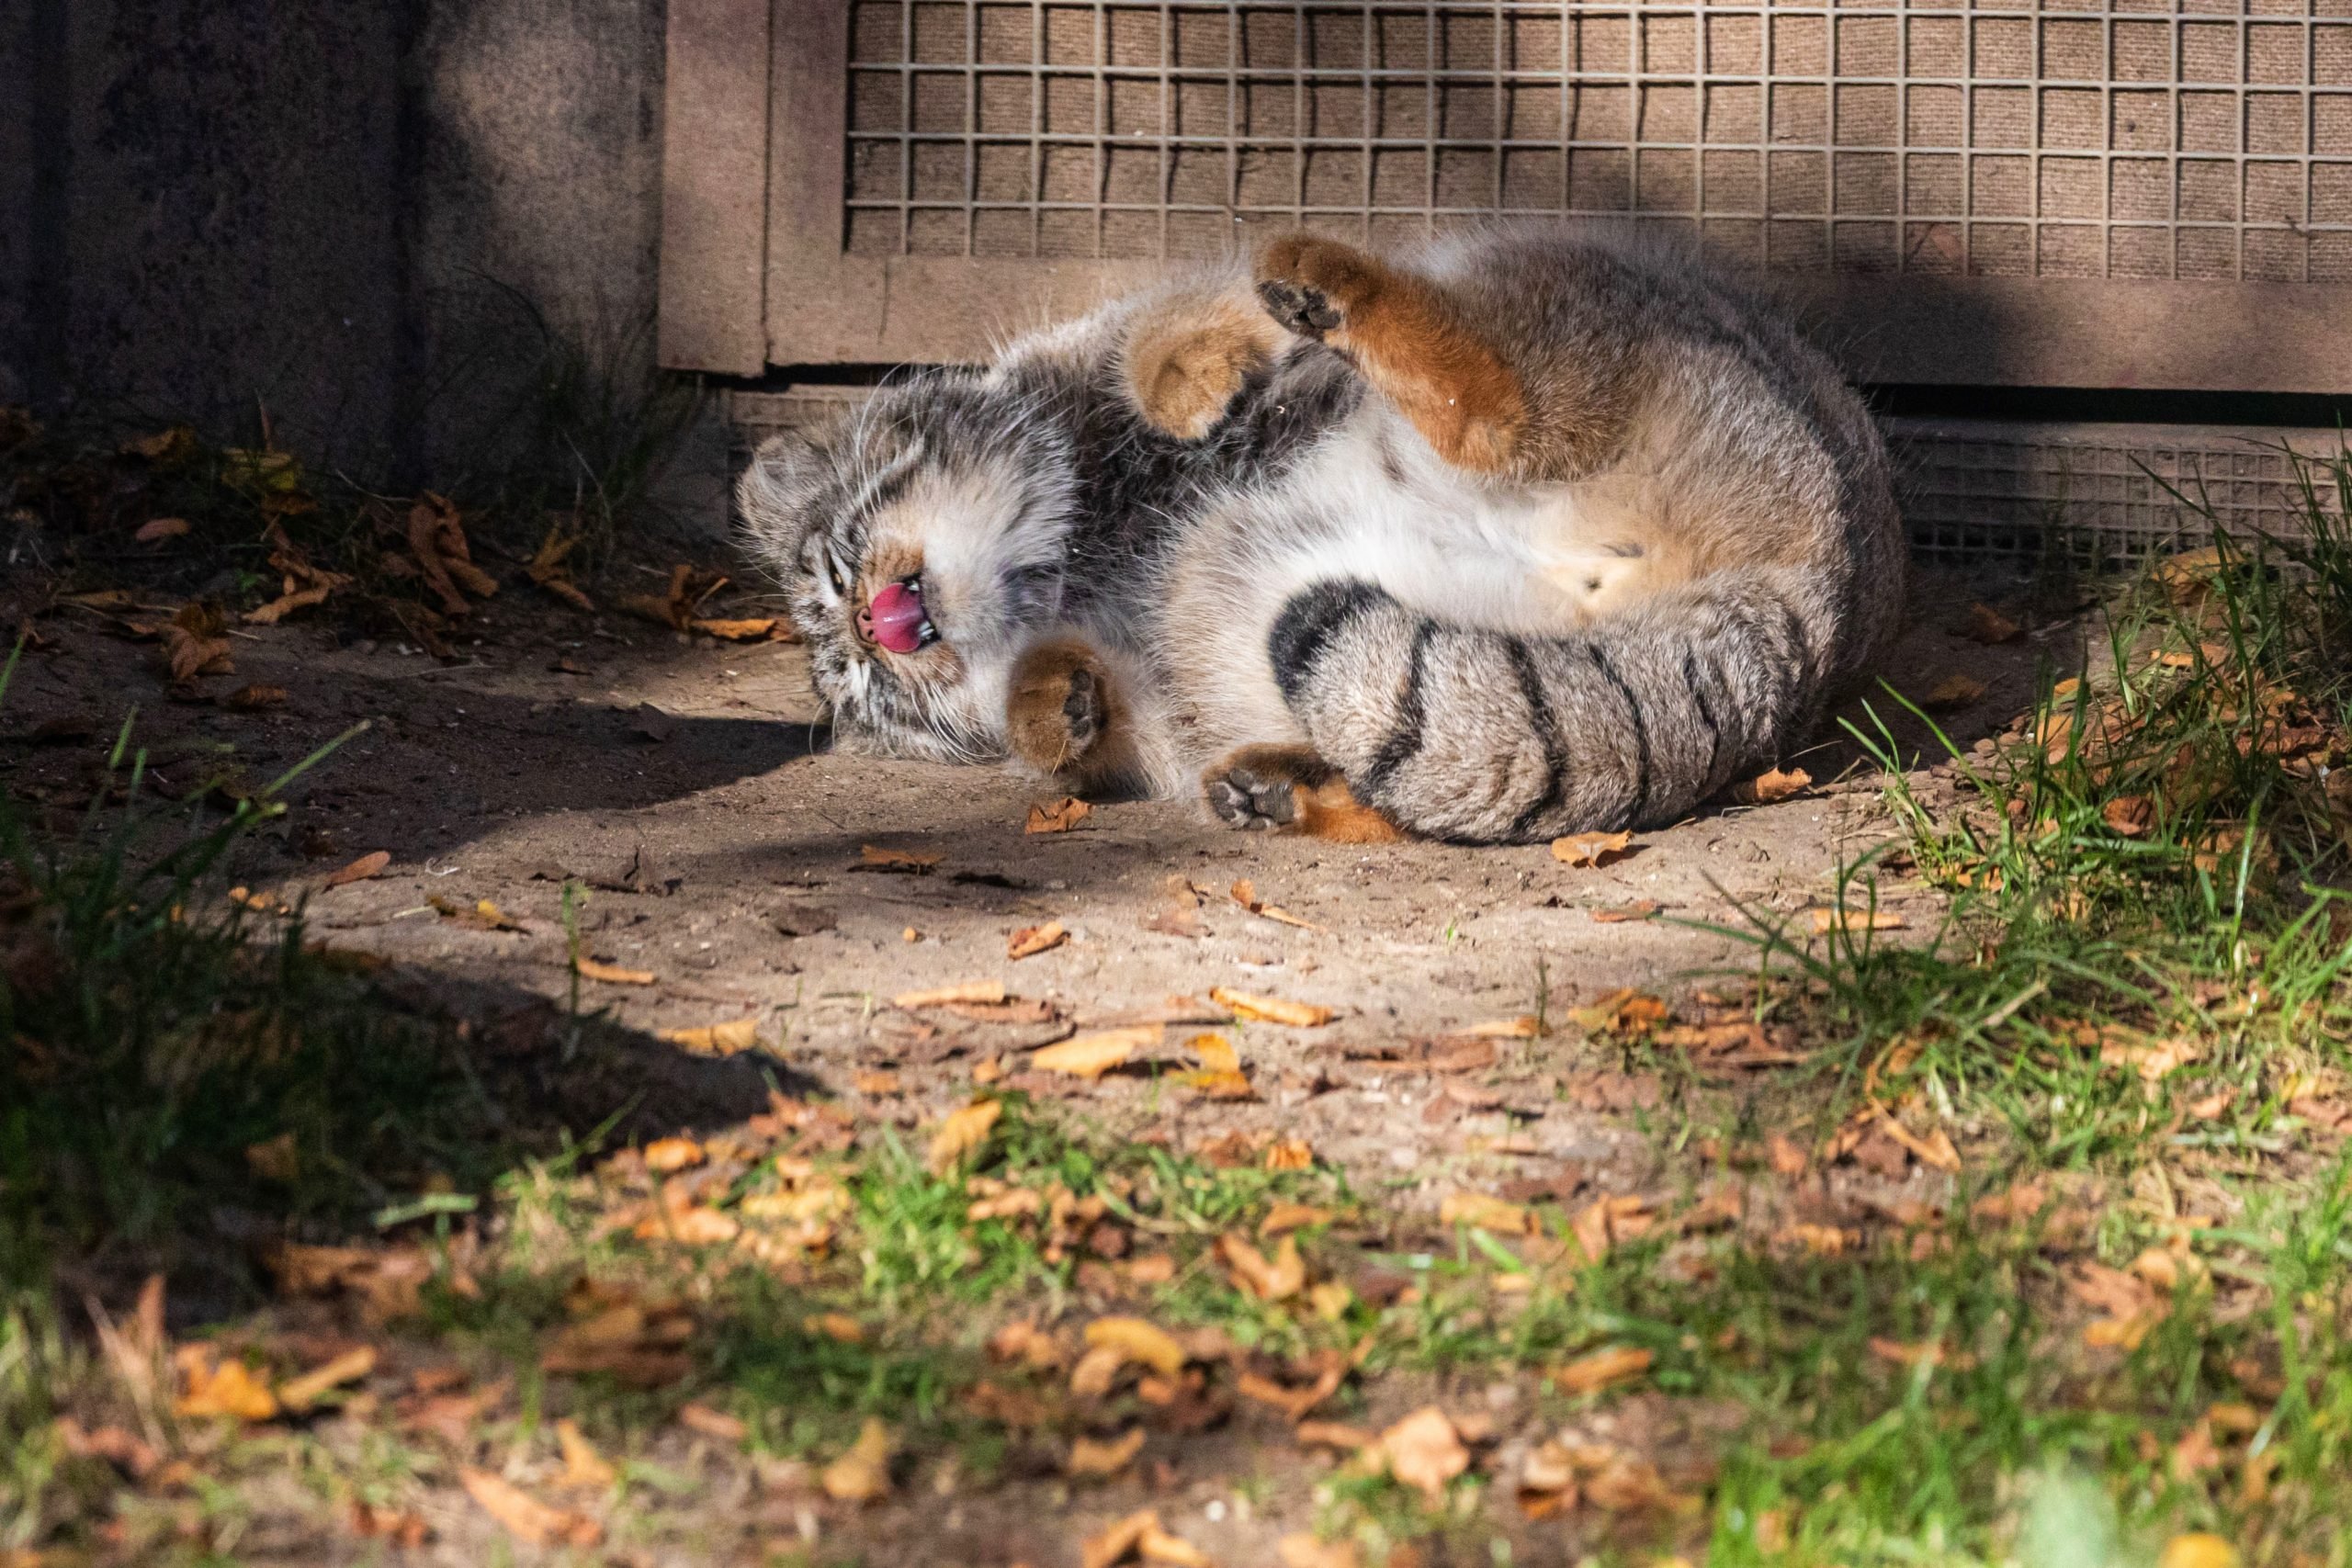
(357, 215)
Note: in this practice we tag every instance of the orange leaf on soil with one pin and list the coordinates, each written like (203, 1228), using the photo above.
(960, 1132)
(1486, 1212)
(1591, 849)
(156, 530)
(225, 1389)
(582, 1466)
(728, 1039)
(663, 1156)
(1425, 1451)
(611, 974)
(981, 991)
(2128, 816)
(1271, 1009)
(525, 1517)
(1270, 1279)
(1952, 693)
(897, 860)
(1090, 1456)
(1288, 1153)
(1770, 787)
(1639, 910)
(1988, 625)
(1057, 817)
(863, 1474)
(1287, 1216)
(1300, 1549)
(696, 1417)
(254, 698)
(1136, 1340)
(302, 1392)
(1601, 1369)
(1827, 920)
(1031, 940)
(360, 870)
(1092, 1055)
(758, 629)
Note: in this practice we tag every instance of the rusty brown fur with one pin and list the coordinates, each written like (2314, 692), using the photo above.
(1186, 360)
(1065, 716)
(1414, 343)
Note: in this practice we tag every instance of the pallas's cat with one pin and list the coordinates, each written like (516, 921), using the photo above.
(1520, 535)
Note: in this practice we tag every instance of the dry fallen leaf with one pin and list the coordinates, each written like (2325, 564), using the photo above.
(156, 530)
(1639, 910)
(1766, 788)
(1601, 1369)
(728, 1039)
(1092, 1055)
(1827, 920)
(253, 698)
(1300, 1549)
(696, 1417)
(1988, 625)
(1271, 1009)
(301, 584)
(1425, 1451)
(360, 870)
(1219, 1075)
(1288, 1153)
(665, 1156)
(1031, 940)
(984, 992)
(436, 537)
(1591, 849)
(1059, 817)
(1952, 694)
(1287, 1216)
(225, 1389)
(1090, 1456)
(2197, 1551)
(193, 643)
(2129, 816)
(1270, 1279)
(525, 1517)
(404, 1530)
(300, 1393)
(759, 628)
(873, 857)
(583, 1467)
(863, 1474)
(960, 1132)
(1136, 1340)
(613, 974)
(545, 566)
(1245, 894)
(675, 608)
(1487, 1213)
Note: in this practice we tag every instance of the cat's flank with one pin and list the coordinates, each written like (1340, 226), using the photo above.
(1519, 536)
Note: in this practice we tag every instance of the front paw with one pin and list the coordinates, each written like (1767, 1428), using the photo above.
(1060, 706)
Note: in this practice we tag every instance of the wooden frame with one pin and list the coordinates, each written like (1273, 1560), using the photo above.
(814, 304)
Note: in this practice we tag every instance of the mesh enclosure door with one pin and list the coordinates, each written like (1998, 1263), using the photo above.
(2145, 194)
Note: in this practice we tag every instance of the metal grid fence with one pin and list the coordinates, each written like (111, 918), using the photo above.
(2167, 139)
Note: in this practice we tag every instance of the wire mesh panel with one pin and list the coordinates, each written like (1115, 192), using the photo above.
(2200, 141)
(2153, 192)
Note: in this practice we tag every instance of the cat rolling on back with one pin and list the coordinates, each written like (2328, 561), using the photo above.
(1523, 535)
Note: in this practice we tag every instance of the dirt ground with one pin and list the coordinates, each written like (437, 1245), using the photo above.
(686, 784)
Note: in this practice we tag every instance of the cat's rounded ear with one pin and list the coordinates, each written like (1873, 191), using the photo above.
(777, 491)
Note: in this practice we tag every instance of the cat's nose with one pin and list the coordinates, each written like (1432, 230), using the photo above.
(866, 622)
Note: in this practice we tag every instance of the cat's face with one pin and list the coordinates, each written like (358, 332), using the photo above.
(919, 544)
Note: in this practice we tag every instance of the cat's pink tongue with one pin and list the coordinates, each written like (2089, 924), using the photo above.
(895, 618)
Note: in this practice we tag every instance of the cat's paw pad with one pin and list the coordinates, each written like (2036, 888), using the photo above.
(1060, 706)
(1241, 796)
(1300, 308)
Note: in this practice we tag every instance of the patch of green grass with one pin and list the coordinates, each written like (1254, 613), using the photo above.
(169, 1060)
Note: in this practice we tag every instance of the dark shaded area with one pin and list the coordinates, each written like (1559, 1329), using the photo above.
(2125, 405)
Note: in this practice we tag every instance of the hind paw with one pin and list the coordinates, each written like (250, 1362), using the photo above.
(1299, 308)
(1243, 798)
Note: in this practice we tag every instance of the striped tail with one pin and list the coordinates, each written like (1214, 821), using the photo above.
(1483, 737)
